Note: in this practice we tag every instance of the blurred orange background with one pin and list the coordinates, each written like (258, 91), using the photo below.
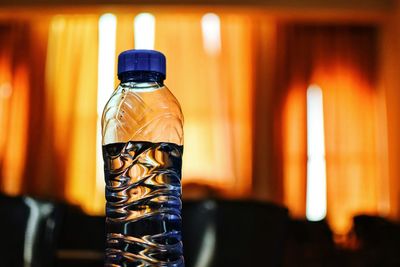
(244, 103)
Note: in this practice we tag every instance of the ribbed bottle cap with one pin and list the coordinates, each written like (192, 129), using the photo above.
(141, 60)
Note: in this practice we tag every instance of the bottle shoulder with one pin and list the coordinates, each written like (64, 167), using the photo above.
(142, 113)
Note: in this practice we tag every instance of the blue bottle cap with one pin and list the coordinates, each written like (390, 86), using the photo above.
(141, 60)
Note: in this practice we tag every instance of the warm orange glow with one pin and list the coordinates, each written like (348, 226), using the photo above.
(388, 116)
(14, 91)
(294, 148)
(215, 93)
(71, 75)
(342, 61)
(124, 37)
(5, 103)
(354, 169)
(354, 150)
(215, 90)
(239, 82)
(16, 132)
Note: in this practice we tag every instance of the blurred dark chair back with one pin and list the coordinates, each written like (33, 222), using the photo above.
(28, 233)
(310, 244)
(379, 240)
(82, 239)
(199, 231)
(218, 233)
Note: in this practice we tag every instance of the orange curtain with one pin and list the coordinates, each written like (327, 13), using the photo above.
(71, 89)
(14, 104)
(389, 86)
(48, 103)
(21, 101)
(48, 91)
(266, 112)
(244, 107)
(215, 93)
(342, 61)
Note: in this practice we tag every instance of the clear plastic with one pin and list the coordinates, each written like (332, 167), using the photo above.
(142, 112)
(142, 128)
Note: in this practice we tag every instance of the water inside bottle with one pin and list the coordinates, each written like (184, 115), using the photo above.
(143, 190)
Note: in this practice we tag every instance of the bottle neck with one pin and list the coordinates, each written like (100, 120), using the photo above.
(142, 77)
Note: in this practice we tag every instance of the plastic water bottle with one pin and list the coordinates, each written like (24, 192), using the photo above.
(142, 150)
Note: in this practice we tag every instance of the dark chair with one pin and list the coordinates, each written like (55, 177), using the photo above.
(222, 233)
(311, 244)
(82, 239)
(379, 240)
(216, 233)
(29, 232)
(199, 232)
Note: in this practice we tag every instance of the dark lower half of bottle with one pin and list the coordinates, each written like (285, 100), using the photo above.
(143, 210)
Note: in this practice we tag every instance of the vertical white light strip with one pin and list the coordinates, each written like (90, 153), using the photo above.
(144, 30)
(105, 81)
(106, 59)
(316, 165)
(211, 29)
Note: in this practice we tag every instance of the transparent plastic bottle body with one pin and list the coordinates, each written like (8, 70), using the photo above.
(142, 128)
